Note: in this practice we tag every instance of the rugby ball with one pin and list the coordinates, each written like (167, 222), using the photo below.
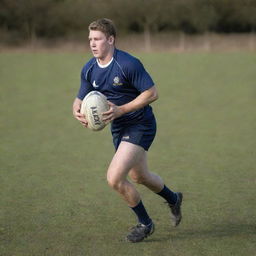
(93, 105)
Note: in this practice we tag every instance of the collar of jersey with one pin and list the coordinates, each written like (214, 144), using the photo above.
(106, 65)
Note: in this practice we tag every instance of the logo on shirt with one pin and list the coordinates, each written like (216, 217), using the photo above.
(94, 84)
(116, 81)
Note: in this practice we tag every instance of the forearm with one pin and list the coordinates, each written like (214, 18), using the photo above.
(141, 101)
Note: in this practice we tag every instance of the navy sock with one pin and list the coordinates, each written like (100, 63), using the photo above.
(141, 213)
(168, 195)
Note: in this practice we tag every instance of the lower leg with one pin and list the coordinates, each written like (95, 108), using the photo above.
(168, 195)
(132, 198)
(151, 181)
(156, 184)
(127, 191)
(141, 175)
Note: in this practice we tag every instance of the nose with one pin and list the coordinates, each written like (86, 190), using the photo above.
(92, 43)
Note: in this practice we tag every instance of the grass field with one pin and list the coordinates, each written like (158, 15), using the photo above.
(54, 197)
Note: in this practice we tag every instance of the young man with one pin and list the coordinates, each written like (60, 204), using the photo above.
(129, 89)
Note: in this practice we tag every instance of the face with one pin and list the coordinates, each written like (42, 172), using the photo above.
(100, 45)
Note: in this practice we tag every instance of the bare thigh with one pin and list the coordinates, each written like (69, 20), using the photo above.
(126, 157)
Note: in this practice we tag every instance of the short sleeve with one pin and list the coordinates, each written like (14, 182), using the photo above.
(85, 85)
(138, 76)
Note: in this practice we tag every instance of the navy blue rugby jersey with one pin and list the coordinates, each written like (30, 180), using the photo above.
(121, 81)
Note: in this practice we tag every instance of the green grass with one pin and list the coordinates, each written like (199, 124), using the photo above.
(54, 197)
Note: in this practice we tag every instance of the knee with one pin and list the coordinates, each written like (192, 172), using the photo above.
(139, 179)
(114, 183)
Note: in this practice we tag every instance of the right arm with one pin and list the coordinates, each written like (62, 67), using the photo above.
(85, 88)
(76, 112)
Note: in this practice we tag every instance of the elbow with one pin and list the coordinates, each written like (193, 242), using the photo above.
(151, 95)
(154, 96)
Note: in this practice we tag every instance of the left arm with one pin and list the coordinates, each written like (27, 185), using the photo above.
(139, 102)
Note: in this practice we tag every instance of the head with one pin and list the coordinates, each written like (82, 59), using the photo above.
(102, 34)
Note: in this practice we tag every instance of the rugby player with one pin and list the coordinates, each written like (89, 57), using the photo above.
(129, 89)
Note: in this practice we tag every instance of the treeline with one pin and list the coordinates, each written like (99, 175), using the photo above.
(51, 19)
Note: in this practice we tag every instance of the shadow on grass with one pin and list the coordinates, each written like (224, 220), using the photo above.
(225, 230)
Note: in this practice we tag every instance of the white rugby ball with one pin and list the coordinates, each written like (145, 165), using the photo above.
(93, 105)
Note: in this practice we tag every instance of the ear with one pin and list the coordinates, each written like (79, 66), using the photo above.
(111, 40)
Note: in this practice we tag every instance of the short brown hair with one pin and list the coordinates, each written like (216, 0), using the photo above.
(104, 25)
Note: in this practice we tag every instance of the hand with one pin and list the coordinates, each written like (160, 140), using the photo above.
(81, 118)
(76, 113)
(113, 112)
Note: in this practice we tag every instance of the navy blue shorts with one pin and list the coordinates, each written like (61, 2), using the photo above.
(141, 134)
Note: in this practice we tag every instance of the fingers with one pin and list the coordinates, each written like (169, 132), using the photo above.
(110, 103)
(108, 116)
(81, 118)
(113, 112)
(111, 108)
(110, 111)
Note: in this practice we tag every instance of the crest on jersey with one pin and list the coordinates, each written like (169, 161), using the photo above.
(116, 81)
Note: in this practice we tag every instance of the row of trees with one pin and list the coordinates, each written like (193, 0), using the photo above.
(28, 19)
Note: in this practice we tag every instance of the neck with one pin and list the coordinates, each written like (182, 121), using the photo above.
(106, 59)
